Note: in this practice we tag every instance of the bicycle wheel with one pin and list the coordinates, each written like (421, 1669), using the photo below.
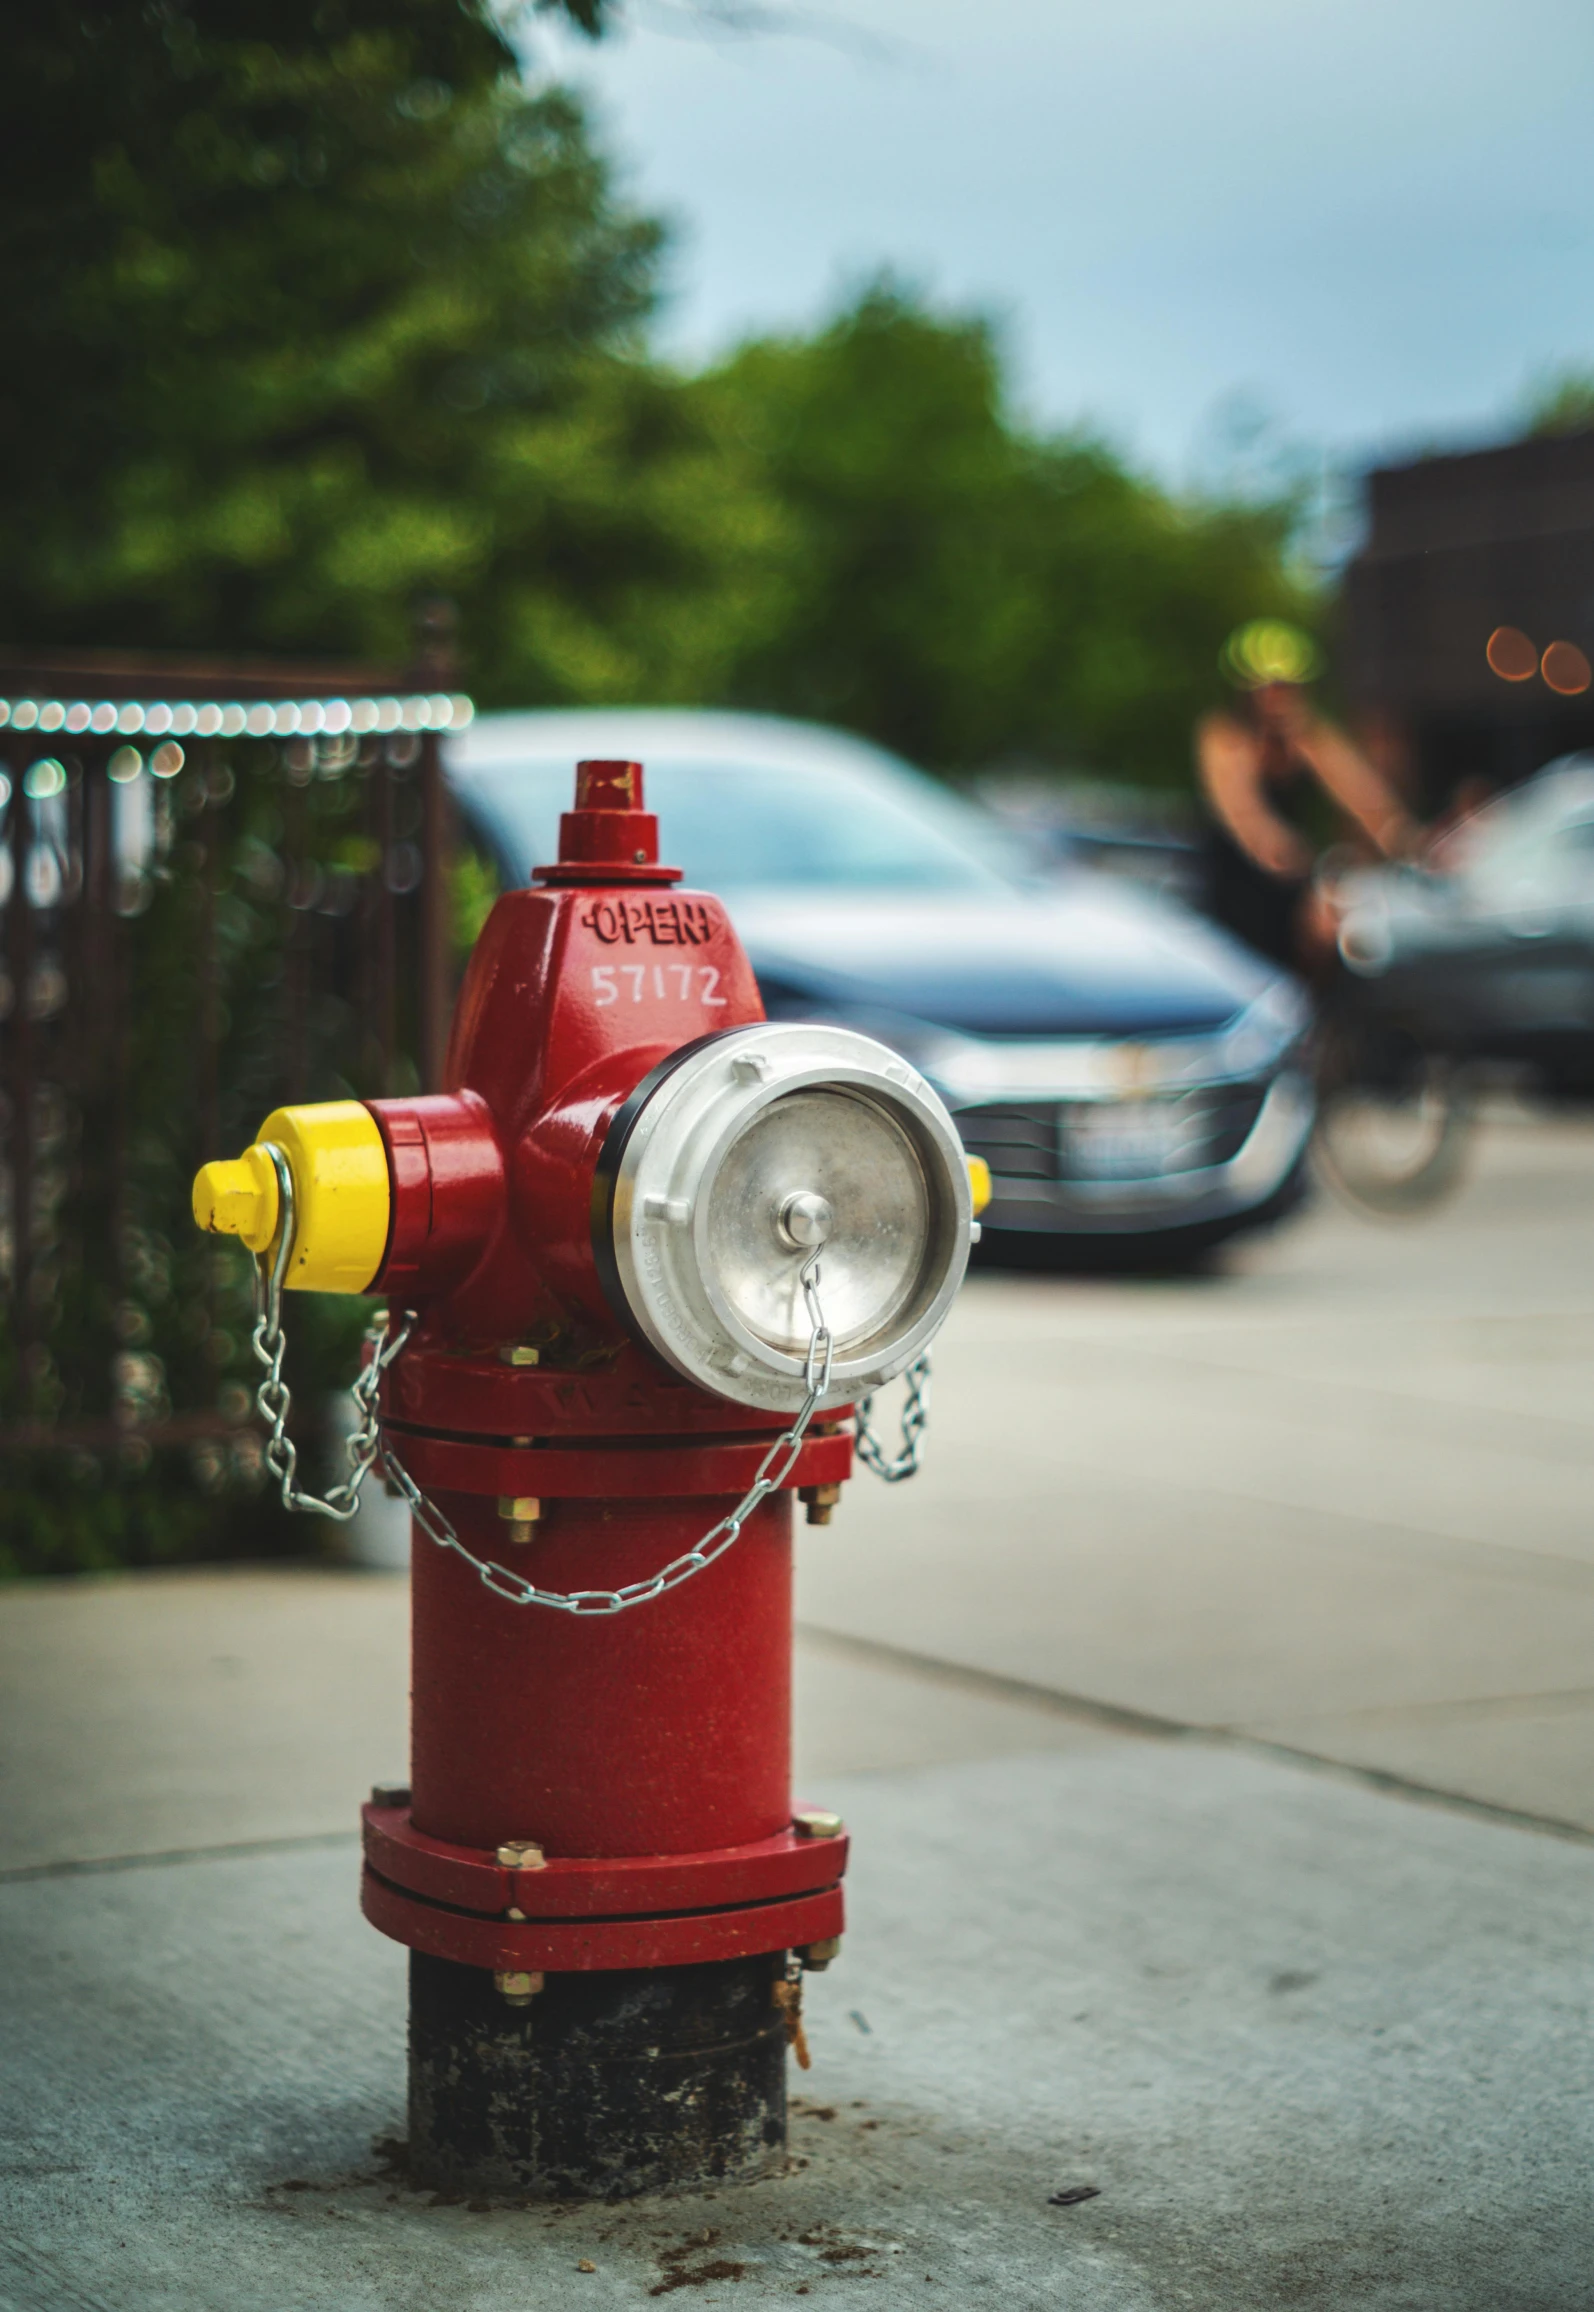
(1394, 1117)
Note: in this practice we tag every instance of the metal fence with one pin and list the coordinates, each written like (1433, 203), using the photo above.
(220, 888)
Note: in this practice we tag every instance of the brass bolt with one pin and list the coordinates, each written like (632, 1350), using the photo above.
(817, 1822)
(522, 1854)
(820, 1500)
(817, 1957)
(520, 1512)
(519, 1353)
(517, 1986)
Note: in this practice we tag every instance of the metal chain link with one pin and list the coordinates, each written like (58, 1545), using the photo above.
(915, 1420)
(274, 1400)
(772, 1473)
(366, 1447)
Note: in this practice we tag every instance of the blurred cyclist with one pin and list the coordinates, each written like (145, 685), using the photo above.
(1266, 766)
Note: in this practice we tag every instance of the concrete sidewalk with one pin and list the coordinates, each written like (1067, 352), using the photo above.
(1338, 1496)
(1311, 2045)
(146, 1715)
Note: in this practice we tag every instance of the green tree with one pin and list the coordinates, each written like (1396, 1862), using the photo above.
(315, 307)
(1560, 402)
(965, 590)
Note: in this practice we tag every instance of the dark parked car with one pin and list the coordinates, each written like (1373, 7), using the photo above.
(1129, 1073)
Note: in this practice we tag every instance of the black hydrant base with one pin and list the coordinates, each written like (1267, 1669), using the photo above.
(604, 2085)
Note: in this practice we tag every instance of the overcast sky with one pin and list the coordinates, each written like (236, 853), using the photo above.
(1373, 219)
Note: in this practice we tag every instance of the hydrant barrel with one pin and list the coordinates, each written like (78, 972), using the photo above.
(647, 1249)
(663, 1732)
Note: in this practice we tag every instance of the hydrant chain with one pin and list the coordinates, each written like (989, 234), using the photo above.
(366, 1447)
(915, 1420)
(274, 1399)
(772, 1473)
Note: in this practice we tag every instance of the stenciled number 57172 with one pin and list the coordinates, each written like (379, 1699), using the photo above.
(660, 982)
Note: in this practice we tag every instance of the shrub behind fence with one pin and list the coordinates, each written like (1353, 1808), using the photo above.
(221, 889)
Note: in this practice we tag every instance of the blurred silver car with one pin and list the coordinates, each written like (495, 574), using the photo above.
(1488, 953)
(1128, 1072)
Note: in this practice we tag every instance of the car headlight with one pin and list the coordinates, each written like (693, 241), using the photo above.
(1266, 1029)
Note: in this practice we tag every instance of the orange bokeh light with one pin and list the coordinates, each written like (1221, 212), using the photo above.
(1566, 669)
(1511, 655)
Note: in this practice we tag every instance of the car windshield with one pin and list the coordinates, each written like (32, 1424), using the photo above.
(745, 826)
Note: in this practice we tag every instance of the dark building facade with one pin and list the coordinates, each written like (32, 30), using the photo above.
(1470, 614)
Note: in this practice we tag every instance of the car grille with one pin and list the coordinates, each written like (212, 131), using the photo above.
(1082, 1140)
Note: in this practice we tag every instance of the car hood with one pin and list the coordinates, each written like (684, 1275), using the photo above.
(1089, 959)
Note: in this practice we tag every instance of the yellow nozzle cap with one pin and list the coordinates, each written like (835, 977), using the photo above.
(341, 1194)
(239, 1198)
(979, 1182)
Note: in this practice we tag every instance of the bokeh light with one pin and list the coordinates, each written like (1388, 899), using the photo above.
(1566, 669)
(1268, 650)
(44, 778)
(1511, 655)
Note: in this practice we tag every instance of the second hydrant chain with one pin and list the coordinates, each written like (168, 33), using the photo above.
(915, 1420)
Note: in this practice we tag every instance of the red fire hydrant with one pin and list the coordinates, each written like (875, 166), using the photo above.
(642, 1259)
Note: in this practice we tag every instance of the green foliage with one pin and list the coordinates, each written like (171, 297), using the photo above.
(1561, 403)
(317, 308)
(964, 590)
(472, 889)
